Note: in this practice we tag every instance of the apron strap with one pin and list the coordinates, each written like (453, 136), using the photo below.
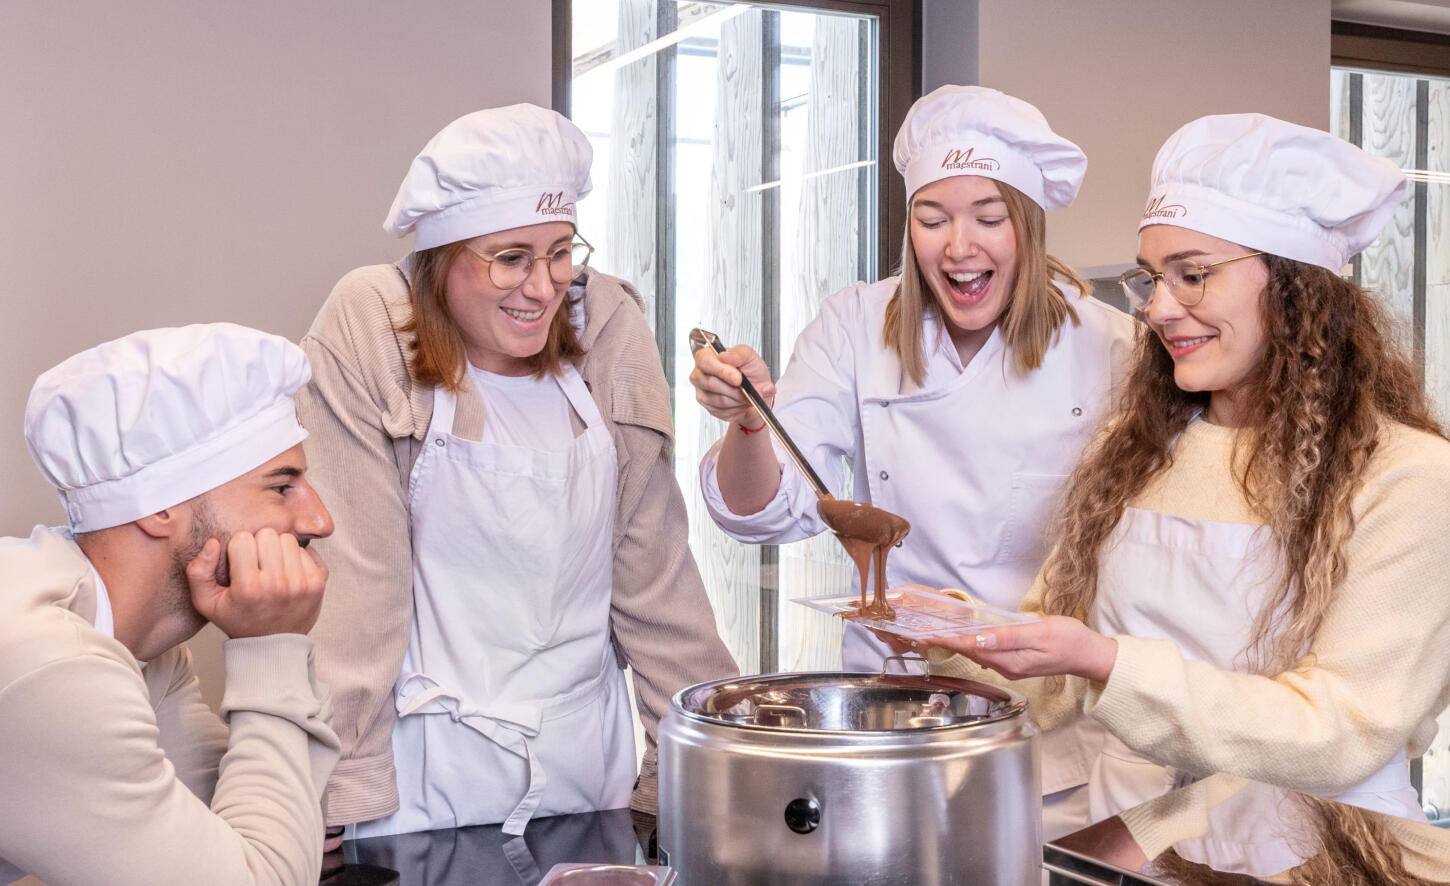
(516, 853)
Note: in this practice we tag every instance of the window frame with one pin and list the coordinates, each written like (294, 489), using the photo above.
(1392, 50)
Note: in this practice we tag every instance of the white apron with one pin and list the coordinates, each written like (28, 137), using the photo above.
(510, 702)
(1219, 574)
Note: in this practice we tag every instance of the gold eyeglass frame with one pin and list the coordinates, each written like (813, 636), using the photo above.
(1168, 284)
(489, 260)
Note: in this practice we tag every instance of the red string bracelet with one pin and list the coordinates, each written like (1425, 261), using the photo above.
(745, 430)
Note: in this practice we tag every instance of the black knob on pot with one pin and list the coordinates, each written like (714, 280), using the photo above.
(802, 815)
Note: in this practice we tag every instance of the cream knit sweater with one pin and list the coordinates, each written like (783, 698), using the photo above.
(116, 773)
(1378, 672)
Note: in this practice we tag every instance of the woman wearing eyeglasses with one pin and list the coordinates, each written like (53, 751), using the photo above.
(491, 423)
(1252, 576)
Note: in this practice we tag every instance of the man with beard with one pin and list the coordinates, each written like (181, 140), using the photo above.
(177, 454)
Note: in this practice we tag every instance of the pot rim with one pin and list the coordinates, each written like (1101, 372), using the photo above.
(1015, 704)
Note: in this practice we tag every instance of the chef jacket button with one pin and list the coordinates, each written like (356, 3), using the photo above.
(1077, 410)
(438, 440)
(885, 476)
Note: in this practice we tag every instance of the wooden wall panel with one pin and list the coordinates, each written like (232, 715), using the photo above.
(1437, 254)
(731, 309)
(631, 230)
(825, 260)
(1339, 104)
(1387, 266)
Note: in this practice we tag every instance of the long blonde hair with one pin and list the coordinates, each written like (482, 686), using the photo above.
(1328, 380)
(1352, 847)
(1036, 308)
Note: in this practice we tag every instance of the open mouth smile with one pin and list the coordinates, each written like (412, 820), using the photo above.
(969, 285)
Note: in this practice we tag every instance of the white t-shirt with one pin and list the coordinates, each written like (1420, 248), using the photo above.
(521, 410)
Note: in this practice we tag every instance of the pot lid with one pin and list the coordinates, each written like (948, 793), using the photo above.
(840, 702)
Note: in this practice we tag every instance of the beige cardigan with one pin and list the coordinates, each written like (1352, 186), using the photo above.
(367, 419)
(118, 774)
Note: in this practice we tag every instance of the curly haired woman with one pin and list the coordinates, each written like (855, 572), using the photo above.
(1250, 576)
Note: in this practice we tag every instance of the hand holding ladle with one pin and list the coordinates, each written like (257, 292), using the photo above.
(863, 530)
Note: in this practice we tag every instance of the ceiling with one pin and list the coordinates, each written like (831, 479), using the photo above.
(1412, 15)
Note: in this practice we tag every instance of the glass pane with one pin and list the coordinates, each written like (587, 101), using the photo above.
(771, 209)
(1388, 114)
(1436, 771)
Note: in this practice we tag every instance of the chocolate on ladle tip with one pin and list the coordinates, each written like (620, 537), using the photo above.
(865, 530)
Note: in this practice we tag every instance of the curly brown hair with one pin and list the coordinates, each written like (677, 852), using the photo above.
(1329, 378)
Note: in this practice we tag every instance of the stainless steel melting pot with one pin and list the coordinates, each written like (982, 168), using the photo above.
(822, 778)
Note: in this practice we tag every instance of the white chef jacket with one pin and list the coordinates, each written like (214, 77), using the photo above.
(976, 458)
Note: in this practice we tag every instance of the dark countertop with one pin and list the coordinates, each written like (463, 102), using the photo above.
(484, 855)
(1230, 820)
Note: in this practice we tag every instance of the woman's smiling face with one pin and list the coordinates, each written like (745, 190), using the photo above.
(1218, 343)
(966, 248)
(503, 328)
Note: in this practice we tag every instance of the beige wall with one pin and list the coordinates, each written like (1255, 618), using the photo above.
(1119, 77)
(168, 163)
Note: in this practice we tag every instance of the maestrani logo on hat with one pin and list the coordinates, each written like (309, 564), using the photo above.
(553, 204)
(958, 159)
(1157, 209)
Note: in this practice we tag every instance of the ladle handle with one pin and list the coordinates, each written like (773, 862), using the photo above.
(699, 338)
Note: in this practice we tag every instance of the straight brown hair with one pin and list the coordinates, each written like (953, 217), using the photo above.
(1036, 308)
(439, 356)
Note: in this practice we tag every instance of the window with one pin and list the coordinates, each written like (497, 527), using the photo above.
(741, 174)
(1406, 117)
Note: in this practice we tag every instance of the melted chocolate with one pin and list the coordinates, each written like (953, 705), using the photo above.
(866, 531)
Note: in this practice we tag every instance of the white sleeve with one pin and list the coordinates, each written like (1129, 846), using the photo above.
(816, 403)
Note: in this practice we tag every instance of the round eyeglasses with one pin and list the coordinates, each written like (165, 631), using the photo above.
(1187, 281)
(509, 268)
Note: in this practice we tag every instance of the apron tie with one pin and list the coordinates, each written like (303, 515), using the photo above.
(506, 725)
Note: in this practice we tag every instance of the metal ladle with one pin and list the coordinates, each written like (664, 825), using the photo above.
(862, 529)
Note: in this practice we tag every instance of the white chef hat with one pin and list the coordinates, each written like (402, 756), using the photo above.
(145, 422)
(1285, 189)
(491, 171)
(972, 130)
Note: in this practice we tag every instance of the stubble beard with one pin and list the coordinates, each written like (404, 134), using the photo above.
(204, 526)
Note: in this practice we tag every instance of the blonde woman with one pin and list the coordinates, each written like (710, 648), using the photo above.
(960, 393)
(1252, 577)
